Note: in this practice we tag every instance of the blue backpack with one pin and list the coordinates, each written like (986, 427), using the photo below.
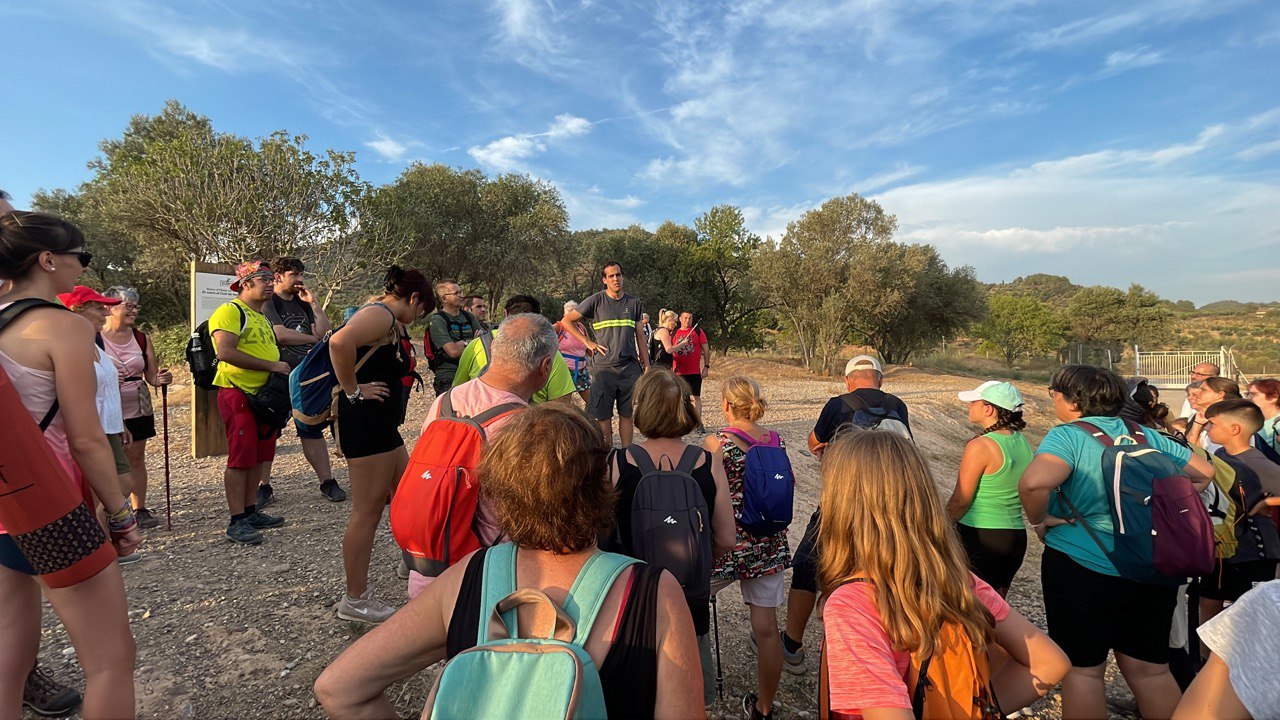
(768, 485)
(536, 672)
(313, 387)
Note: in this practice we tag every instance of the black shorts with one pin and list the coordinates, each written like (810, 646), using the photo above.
(12, 558)
(995, 554)
(1231, 580)
(695, 384)
(804, 564)
(141, 428)
(370, 427)
(1090, 613)
(610, 386)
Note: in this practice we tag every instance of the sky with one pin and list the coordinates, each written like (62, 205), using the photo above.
(1112, 142)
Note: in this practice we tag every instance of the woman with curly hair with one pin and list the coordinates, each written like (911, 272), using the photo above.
(894, 572)
(985, 502)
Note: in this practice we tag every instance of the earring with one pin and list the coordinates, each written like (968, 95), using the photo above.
(52, 268)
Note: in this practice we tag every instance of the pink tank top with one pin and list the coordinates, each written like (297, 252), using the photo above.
(570, 346)
(129, 360)
(37, 391)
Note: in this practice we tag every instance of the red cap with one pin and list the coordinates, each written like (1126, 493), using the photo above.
(81, 295)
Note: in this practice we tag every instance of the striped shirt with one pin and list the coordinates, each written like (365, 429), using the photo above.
(613, 322)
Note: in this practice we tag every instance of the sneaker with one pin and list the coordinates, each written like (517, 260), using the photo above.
(265, 496)
(749, 710)
(260, 520)
(330, 489)
(365, 609)
(46, 697)
(792, 662)
(242, 532)
(402, 570)
(146, 520)
(129, 559)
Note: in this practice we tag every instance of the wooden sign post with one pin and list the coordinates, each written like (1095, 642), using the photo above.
(210, 288)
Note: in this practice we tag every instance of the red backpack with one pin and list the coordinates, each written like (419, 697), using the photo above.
(435, 502)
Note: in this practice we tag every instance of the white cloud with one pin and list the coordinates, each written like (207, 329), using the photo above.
(1122, 60)
(512, 153)
(771, 222)
(591, 208)
(388, 148)
(1254, 152)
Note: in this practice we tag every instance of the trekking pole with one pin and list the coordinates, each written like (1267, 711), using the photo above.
(715, 621)
(168, 504)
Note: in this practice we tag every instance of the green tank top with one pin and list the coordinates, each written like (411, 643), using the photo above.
(996, 505)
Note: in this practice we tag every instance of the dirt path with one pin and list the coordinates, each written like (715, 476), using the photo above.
(225, 631)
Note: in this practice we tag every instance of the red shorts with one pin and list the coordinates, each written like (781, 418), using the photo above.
(245, 445)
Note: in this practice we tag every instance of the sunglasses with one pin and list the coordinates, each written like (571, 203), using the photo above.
(84, 256)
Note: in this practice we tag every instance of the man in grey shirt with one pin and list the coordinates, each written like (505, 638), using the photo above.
(620, 355)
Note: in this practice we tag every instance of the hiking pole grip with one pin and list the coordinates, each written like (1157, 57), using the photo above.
(168, 503)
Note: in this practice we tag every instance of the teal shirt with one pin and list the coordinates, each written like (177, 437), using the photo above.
(1268, 431)
(1087, 489)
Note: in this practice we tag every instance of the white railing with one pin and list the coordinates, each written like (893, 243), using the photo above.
(1171, 369)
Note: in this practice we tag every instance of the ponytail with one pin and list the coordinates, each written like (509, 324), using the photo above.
(1006, 420)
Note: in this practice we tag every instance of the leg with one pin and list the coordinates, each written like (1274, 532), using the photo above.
(625, 430)
(266, 472)
(372, 478)
(20, 635)
(137, 454)
(235, 480)
(1084, 693)
(1153, 686)
(316, 450)
(764, 625)
(606, 429)
(804, 582)
(253, 476)
(126, 483)
(586, 397)
(95, 614)
(800, 604)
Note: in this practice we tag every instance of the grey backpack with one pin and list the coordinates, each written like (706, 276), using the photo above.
(670, 522)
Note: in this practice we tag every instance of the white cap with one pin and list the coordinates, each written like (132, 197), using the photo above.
(862, 362)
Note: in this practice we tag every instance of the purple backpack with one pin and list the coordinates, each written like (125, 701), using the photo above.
(1161, 532)
(768, 485)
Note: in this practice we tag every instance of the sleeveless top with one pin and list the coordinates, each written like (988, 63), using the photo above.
(996, 505)
(752, 556)
(131, 361)
(629, 479)
(661, 358)
(629, 673)
(389, 364)
(38, 392)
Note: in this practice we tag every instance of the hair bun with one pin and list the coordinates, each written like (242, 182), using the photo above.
(394, 275)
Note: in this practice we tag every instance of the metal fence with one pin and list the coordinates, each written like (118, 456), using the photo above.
(1171, 369)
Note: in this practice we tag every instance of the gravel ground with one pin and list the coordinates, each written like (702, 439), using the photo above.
(226, 631)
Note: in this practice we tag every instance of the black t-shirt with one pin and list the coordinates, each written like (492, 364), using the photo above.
(837, 412)
(295, 315)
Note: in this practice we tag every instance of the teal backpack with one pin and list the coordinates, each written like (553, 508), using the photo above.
(541, 672)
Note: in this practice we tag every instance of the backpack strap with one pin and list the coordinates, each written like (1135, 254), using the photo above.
(1135, 432)
(689, 459)
(750, 441)
(446, 405)
(849, 399)
(11, 313)
(643, 461)
(498, 580)
(488, 416)
(922, 680)
(1095, 432)
(141, 338)
(587, 594)
(1075, 512)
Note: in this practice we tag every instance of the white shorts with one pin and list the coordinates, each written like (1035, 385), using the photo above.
(765, 591)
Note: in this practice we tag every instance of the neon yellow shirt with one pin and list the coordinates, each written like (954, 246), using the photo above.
(257, 340)
(474, 359)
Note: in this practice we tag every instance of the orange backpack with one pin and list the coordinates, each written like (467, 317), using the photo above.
(435, 502)
(952, 683)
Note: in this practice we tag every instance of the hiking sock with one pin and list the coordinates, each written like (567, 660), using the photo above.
(790, 645)
(237, 517)
(250, 509)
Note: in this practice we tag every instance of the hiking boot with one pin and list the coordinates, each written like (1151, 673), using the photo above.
(46, 697)
(146, 520)
(365, 609)
(749, 710)
(240, 531)
(329, 488)
(260, 520)
(265, 496)
(792, 662)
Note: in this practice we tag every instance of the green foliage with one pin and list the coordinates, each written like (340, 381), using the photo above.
(1019, 326)
(1053, 290)
(1112, 319)
(720, 260)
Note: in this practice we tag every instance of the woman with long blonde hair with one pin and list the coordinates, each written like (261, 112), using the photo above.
(893, 572)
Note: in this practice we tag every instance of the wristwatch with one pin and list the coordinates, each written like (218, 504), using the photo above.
(356, 396)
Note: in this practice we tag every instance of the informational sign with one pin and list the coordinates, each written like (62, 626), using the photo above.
(209, 290)
(210, 287)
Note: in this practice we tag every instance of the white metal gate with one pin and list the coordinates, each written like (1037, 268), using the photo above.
(1171, 369)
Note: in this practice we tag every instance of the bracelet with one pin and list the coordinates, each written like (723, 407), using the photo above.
(122, 522)
(356, 396)
(1036, 525)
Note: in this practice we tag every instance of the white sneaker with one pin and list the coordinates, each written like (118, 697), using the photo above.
(365, 609)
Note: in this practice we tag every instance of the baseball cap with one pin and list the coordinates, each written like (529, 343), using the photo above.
(251, 269)
(1000, 394)
(862, 362)
(80, 295)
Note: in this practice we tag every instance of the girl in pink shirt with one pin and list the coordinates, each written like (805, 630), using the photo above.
(893, 572)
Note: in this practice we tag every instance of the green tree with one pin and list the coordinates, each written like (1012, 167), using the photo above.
(721, 257)
(1053, 290)
(1019, 326)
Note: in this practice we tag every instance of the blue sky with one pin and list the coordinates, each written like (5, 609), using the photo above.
(1113, 142)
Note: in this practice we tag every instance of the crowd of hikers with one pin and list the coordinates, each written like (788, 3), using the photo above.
(559, 573)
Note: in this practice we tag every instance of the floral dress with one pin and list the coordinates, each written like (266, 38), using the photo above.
(752, 556)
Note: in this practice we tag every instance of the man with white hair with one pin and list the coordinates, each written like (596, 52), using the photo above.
(1199, 373)
(475, 359)
(524, 349)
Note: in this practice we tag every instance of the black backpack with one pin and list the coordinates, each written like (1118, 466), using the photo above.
(670, 521)
(871, 417)
(202, 356)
